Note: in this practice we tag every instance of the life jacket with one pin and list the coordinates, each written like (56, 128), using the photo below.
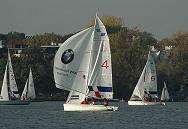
(84, 102)
(92, 101)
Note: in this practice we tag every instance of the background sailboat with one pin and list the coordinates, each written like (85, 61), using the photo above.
(165, 95)
(145, 92)
(82, 66)
(12, 82)
(29, 89)
(4, 90)
(9, 92)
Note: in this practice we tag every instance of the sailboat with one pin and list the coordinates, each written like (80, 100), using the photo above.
(82, 65)
(145, 92)
(29, 89)
(9, 91)
(165, 95)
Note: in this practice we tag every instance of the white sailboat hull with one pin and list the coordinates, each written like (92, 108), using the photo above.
(14, 102)
(87, 107)
(145, 103)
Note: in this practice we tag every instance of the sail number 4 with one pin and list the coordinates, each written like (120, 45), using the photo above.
(105, 64)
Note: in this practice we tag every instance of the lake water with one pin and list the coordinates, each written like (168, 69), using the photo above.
(50, 115)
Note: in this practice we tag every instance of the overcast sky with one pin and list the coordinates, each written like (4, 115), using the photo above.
(160, 17)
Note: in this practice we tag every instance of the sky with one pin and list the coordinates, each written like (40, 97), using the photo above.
(162, 18)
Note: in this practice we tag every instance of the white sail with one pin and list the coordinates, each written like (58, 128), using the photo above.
(9, 92)
(147, 81)
(165, 95)
(4, 96)
(91, 65)
(71, 63)
(24, 93)
(12, 81)
(31, 89)
(82, 65)
(100, 73)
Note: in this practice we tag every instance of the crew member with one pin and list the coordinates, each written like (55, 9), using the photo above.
(106, 102)
(92, 101)
(84, 102)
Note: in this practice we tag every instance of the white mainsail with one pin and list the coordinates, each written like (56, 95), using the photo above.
(29, 89)
(4, 96)
(24, 93)
(12, 81)
(83, 61)
(147, 81)
(165, 95)
(100, 74)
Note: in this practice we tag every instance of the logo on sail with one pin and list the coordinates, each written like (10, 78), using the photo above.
(67, 56)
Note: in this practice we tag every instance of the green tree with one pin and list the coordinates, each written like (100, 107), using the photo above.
(174, 66)
(47, 39)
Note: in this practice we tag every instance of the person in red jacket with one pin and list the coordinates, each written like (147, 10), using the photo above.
(92, 101)
(84, 102)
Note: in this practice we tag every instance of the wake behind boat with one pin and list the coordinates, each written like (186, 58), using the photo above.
(82, 65)
(145, 92)
(9, 91)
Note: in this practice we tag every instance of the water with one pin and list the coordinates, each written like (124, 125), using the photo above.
(50, 115)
